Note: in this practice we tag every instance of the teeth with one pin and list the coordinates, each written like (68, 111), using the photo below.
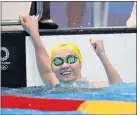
(66, 73)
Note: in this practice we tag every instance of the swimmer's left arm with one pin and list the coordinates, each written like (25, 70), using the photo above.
(112, 74)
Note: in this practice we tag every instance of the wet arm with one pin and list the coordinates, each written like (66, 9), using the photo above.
(112, 74)
(43, 61)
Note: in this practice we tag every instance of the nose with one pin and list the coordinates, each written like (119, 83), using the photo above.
(65, 65)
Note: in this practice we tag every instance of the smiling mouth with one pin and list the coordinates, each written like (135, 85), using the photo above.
(67, 73)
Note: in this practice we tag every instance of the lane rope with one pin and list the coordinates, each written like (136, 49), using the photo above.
(88, 107)
(43, 104)
(107, 107)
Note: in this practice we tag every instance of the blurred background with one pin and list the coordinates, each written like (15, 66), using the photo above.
(75, 14)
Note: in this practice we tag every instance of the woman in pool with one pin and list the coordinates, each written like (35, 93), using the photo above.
(65, 62)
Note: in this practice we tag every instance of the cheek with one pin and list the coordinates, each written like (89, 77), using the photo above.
(76, 66)
(55, 68)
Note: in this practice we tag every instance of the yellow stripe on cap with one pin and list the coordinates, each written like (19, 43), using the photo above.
(107, 107)
(66, 46)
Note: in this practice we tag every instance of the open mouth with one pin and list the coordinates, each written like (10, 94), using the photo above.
(66, 73)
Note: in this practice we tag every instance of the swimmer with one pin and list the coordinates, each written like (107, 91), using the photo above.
(65, 61)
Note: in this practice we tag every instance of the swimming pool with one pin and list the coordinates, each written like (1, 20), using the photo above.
(124, 92)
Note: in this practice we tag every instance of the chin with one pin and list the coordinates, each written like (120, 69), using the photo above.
(67, 79)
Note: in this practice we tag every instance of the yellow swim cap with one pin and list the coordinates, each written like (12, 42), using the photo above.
(67, 46)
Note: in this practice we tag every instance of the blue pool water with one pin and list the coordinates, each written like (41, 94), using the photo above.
(124, 92)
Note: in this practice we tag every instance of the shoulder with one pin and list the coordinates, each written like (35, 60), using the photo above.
(100, 83)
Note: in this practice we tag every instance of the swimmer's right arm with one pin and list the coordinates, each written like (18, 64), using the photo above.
(30, 24)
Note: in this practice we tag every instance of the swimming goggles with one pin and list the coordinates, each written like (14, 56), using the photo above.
(59, 61)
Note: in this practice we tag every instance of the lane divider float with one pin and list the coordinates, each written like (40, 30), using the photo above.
(48, 104)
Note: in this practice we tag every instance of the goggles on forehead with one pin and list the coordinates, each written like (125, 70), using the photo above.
(59, 61)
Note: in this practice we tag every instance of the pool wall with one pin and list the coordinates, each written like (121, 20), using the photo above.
(19, 57)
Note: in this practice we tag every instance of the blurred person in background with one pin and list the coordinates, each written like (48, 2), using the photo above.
(75, 11)
(131, 22)
(45, 22)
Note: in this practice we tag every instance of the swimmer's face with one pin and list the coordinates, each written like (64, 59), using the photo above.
(66, 71)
